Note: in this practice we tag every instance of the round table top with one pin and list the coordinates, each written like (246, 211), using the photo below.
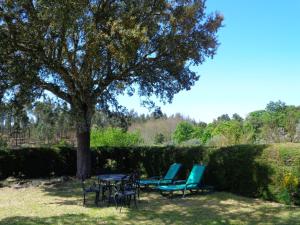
(112, 177)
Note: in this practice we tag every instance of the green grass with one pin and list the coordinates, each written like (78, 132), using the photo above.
(62, 204)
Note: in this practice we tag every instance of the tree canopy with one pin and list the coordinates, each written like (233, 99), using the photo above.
(89, 52)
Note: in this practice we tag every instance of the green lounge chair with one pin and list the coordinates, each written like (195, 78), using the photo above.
(167, 179)
(192, 183)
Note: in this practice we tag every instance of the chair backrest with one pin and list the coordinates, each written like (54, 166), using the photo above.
(173, 170)
(129, 182)
(196, 174)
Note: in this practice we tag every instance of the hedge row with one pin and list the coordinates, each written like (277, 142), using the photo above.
(271, 172)
(46, 162)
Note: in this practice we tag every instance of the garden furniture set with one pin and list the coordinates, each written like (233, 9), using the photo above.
(121, 189)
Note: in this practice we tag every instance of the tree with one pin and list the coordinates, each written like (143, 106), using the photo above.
(231, 130)
(184, 131)
(278, 106)
(46, 116)
(109, 119)
(159, 138)
(223, 117)
(237, 117)
(89, 52)
(207, 133)
(291, 121)
(157, 113)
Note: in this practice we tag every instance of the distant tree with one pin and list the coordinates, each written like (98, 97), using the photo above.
(184, 131)
(208, 133)
(237, 117)
(159, 138)
(291, 121)
(231, 130)
(151, 127)
(198, 131)
(103, 119)
(89, 52)
(223, 117)
(278, 106)
(157, 113)
(46, 117)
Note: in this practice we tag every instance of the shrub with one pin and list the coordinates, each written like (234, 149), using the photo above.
(269, 172)
(114, 137)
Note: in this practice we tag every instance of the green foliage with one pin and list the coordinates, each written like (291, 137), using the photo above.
(90, 52)
(184, 131)
(231, 130)
(269, 172)
(278, 123)
(36, 162)
(114, 137)
(207, 134)
(223, 118)
(159, 138)
(63, 143)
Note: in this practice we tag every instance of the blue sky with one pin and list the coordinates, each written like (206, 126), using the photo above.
(258, 61)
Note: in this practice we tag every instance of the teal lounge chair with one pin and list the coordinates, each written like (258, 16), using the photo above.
(167, 179)
(192, 183)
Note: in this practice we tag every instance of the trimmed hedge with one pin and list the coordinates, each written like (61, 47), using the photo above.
(271, 172)
(45, 162)
(268, 171)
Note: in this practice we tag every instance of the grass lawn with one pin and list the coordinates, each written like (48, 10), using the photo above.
(62, 204)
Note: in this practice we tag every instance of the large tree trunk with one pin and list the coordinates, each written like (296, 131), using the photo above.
(83, 130)
(83, 154)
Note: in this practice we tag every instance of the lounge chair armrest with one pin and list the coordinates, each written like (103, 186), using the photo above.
(179, 182)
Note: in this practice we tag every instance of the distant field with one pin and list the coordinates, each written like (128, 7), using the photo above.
(62, 204)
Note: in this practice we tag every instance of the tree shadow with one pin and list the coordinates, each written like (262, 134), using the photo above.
(240, 170)
(63, 219)
(218, 208)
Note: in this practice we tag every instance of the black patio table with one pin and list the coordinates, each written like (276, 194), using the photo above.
(112, 177)
(110, 180)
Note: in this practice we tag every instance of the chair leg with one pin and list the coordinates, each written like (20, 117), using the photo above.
(134, 199)
(129, 201)
(122, 202)
(116, 202)
(97, 198)
(103, 191)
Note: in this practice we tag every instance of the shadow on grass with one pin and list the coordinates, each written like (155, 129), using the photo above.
(63, 219)
(217, 208)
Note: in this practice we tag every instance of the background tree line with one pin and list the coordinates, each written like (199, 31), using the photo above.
(277, 123)
(49, 122)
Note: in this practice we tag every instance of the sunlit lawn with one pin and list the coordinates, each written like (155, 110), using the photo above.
(62, 204)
